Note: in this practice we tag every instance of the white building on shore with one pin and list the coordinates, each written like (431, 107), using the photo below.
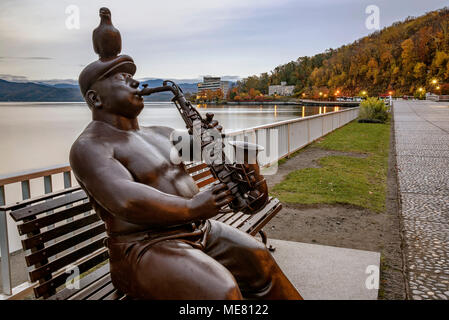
(282, 89)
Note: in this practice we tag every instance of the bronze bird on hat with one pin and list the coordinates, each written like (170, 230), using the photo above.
(106, 38)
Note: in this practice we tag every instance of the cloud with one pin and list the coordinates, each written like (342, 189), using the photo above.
(58, 81)
(13, 78)
(26, 58)
(230, 78)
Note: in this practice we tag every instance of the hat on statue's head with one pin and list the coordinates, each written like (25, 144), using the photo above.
(107, 44)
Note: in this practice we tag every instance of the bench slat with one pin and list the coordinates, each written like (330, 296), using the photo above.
(46, 196)
(226, 217)
(59, 263)
(45, 221)
(258, 220)
(52, 250)
(218, 216)
(240, 220)
(106, 290)
(206, 182)
(202, 175)
(196, 168)
(59, 231)
(85, 283)
(52, 204)
(234, 217)
(60, 279)
(115, 295)
(93, 287)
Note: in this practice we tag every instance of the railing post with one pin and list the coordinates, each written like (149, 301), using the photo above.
(322, 125)
(2, 196)
(25, 189)
(47, 184)
(48, 188)
(67, 180)
(4, 247)
(308, 130)
(288, 140)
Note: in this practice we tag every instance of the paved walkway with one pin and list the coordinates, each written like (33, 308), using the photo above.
(422, 152)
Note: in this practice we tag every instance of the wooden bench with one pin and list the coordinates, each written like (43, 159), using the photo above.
(61, 231)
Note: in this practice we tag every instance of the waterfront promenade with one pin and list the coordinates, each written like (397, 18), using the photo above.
(422, 153)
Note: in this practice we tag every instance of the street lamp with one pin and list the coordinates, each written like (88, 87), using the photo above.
(435, 83)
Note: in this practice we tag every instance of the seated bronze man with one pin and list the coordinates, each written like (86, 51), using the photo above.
(161, 242)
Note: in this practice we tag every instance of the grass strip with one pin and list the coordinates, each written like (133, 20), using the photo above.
(344, 179)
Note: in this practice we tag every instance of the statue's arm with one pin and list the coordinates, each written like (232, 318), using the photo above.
(114, 188)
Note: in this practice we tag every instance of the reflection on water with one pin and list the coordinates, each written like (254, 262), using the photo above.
(37, 135)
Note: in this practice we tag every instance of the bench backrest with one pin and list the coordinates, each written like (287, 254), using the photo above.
(61, 231)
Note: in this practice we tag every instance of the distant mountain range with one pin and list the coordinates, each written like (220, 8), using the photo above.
(28, 91)
(68, 91)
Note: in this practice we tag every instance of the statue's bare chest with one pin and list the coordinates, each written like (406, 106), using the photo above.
(147, 157)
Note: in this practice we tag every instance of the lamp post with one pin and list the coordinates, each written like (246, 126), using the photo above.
(420, 90)
(364, 94)
(435, 83)
(336, 94)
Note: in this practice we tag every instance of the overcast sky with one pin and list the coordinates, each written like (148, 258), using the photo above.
(187, 38)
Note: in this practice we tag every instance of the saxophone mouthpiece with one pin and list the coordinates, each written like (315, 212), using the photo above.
(142, 91)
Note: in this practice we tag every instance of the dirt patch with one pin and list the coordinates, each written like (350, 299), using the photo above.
(345, 225)
(332, 225)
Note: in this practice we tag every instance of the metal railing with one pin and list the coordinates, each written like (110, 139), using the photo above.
(290, 136)
(437, 98)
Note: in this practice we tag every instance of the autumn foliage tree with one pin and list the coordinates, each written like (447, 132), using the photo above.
(211, 95)
(403, 57)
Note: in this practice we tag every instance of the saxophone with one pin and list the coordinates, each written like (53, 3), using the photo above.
(250, 194)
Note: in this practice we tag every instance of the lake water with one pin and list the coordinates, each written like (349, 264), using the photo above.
(38, 135)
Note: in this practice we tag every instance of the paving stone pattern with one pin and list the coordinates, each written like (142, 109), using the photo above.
(422, 151)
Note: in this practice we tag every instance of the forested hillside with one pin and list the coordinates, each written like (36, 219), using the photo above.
(402, 58)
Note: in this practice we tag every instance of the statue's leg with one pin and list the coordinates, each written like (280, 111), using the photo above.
(170, 269)
(254, 268)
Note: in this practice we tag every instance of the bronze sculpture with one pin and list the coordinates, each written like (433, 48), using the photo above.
(248, 188)
(161, 242)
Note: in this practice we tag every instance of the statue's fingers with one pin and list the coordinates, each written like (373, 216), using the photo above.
(222, 195)
(213, 123)
(219, 187)
(224, 202)
(209, 116)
